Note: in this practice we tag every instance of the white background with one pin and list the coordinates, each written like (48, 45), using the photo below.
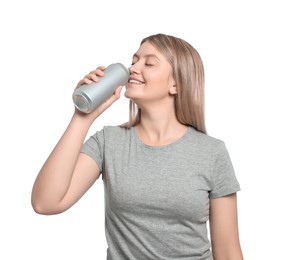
(48, 46)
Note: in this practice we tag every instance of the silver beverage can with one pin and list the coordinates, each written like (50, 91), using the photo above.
(88, 97)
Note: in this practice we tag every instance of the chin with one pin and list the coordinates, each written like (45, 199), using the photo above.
(129, 94)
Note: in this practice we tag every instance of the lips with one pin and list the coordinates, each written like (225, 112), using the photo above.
(135, 81)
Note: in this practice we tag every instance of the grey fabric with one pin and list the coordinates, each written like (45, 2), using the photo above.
(157, 197)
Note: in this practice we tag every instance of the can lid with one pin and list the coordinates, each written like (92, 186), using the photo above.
(81, 103)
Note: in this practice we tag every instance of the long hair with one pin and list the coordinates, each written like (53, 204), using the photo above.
(188, 73)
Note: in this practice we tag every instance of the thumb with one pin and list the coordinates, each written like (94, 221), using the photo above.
(117, 92)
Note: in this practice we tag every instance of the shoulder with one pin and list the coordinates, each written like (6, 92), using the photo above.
(204, 141)
(115, 134)
(115, 130)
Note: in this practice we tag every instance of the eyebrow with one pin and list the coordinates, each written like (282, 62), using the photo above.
(146, 56)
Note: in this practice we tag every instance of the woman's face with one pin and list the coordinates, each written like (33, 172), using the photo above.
(150, 76)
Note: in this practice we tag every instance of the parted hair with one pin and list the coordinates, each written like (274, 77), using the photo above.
(188, 73)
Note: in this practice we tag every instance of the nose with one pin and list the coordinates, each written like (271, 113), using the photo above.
(133, 69)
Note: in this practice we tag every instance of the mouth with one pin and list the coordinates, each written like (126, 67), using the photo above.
(135, 81)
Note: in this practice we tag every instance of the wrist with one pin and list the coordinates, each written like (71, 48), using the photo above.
(82, 119)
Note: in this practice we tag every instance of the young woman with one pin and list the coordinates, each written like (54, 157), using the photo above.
(164, 177)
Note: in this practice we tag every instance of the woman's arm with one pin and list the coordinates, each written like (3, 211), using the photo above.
(224, 228)
(67, 174)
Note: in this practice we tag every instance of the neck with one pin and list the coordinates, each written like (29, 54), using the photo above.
(159, 125)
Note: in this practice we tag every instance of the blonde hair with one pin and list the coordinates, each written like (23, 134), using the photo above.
(188, 73)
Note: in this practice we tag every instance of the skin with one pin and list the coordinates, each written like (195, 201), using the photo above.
(155, 97)
(151, 86)
(224, 228)
(60, 185)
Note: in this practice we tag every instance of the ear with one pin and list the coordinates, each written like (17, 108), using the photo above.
(173, 90)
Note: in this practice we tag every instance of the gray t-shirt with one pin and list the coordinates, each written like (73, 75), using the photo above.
(157, 197)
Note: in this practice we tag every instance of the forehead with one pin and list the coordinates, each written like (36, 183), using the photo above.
(147, 49)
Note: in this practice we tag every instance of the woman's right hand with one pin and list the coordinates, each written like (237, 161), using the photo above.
(94, 76)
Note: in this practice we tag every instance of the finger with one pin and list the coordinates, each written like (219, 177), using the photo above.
(101, 67)
(118, 91)
(116, 95)
(89, 78)
(79, 84)
(87, 81)
(98, 71)
(94, 78)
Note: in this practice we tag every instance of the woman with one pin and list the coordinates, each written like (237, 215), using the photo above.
(164, 177)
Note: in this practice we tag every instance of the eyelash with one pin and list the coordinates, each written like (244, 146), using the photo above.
(146, 64)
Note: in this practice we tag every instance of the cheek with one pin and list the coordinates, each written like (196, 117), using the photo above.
(158, 80)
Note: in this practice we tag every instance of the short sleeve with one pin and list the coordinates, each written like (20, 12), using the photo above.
(224, 181)
(94, 147)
